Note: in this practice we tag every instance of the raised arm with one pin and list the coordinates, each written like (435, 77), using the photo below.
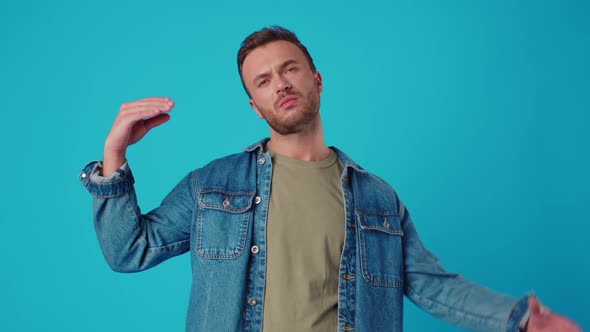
(132, 241)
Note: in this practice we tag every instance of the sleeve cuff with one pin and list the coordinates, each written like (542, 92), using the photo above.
(116, 184)
(524, 320)
(519, 315)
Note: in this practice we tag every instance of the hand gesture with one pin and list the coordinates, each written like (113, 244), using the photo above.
(134, 120)
(541, 319)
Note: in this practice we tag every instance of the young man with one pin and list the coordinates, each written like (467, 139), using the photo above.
(290, 235)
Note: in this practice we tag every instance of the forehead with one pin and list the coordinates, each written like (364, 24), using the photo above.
(270, 55)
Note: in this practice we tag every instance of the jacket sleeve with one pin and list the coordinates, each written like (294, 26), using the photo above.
(132, 241)
(451, 298)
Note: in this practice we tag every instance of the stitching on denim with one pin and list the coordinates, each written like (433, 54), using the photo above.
(348, 163)
(134, 208)
(123, 176)
(195, 182)
(242, 238)
(199, 230)
(450, 309)
(134, 214)
(376, 213)
(225, 209)
(226, 192)
(364, 269)
(170, 246)
(111, 189)
(364, 224)
(220, 207)
(393, 232)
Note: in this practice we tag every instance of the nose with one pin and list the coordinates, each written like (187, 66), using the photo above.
(283, 85)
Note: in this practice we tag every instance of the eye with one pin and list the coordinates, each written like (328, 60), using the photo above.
(291, 69)
(262, 82)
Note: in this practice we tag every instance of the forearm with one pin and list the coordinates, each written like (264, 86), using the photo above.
(450, 297)
(464, 303)
(131, 241)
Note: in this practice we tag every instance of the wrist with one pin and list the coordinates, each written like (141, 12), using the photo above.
(111, 162)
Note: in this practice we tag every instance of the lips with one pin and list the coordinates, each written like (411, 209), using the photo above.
(287, 101)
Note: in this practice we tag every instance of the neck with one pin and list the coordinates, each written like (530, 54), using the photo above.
(307, 145)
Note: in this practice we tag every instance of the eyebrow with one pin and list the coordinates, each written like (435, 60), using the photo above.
(266, 73)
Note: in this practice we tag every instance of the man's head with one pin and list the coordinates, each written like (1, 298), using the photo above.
(280, 79)
(265, 36)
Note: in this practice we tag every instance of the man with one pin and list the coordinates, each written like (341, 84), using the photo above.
(290, 235)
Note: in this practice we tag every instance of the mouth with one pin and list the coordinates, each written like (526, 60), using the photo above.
(287, 101)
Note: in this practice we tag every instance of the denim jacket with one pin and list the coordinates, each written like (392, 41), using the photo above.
(219, 214)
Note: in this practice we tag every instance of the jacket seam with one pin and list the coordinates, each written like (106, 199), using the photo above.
(467, 314)
(169, 246)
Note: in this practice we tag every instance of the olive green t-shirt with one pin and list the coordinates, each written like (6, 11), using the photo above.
(305, 235)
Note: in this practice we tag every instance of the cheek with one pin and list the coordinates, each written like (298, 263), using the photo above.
(309, 85)
(263, 98)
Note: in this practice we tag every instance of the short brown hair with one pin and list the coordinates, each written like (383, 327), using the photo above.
(265, 36)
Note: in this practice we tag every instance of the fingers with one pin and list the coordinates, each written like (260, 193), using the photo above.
(163, 104)
(142, 114)
(135, 119)
(144, 101)
(144, 109)
(156, 121)
(152, 103)
(125, 107)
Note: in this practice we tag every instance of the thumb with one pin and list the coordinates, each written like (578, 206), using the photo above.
(534, 305)
(156, 121)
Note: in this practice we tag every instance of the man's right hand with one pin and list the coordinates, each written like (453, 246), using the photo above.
(134, 120)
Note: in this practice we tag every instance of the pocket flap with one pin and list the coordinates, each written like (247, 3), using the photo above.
(383, 222)
(226, 201)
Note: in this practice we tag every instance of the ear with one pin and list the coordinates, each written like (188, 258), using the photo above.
(255, 108)
(318, 80)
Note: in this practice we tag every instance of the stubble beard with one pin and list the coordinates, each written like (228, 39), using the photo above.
(297, 120)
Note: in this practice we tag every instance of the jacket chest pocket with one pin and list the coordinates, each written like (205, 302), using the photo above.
(222, 224)
(380, 246)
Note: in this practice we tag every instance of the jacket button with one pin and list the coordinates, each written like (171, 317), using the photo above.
(255, 249)
(257, 200)
(261, 161)
(252, 301)
(83, 175)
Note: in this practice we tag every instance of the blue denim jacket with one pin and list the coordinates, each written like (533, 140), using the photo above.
(219, 213)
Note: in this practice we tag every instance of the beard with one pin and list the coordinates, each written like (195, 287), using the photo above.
(295, 120)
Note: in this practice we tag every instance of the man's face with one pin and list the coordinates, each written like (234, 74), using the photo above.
(283, 88)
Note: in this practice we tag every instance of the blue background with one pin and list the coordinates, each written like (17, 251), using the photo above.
(475, 111)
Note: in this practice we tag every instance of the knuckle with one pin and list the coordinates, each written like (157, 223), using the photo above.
(124, 117)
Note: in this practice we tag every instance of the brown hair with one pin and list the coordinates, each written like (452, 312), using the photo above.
(265, 36)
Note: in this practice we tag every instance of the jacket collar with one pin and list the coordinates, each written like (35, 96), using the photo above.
(257, 146)
(346, 161)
